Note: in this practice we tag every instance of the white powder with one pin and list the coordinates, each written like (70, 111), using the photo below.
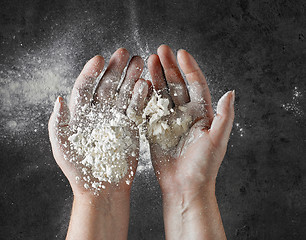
(104, 139)
(28, 88)
(294, 105)
(162, 125)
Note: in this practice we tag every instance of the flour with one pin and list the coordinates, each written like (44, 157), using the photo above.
(28, 88)
(294, 105)
(104, 139)
(163, 126)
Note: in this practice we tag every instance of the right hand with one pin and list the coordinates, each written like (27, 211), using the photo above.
(193, 164)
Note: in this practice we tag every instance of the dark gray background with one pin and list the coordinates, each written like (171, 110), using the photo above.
(257, 48)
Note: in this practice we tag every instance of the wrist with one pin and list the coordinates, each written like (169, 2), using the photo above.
(188, 205)
(101, 215)
(105, 199)
(189, 191)
(190, 197)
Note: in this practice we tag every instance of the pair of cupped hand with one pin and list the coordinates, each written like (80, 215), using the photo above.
(198, 155)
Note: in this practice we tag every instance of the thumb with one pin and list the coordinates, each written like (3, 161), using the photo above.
(58, 122)
(223, 121)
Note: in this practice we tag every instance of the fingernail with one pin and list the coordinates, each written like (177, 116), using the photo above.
(57, 104)
(233, 97)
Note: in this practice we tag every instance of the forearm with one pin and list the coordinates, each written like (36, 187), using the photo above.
(99, 217)
(192, 215)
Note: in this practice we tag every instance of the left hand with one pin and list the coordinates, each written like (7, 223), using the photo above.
(106, 94)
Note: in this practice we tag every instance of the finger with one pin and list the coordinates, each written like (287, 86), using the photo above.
(83, 88)
(157, 76)
(156, 73)
(137, 103)
(175, 81)
(107, 87)
(58, 124)
(198, 88)
(133, 73)
(223, 121)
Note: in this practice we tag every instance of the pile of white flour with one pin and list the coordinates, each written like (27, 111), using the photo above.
(162, 125)
(104, 139)
(165, 125)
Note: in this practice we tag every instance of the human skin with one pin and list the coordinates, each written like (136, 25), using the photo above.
(106, 215)
(187, 173)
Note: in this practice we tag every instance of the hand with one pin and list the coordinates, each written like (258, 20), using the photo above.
(193, 164)
(63, 120)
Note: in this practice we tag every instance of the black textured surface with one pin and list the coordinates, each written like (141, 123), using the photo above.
(257, 48)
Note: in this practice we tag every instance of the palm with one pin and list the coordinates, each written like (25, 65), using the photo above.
(192, 167)
(76, 170)
(176, 165)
